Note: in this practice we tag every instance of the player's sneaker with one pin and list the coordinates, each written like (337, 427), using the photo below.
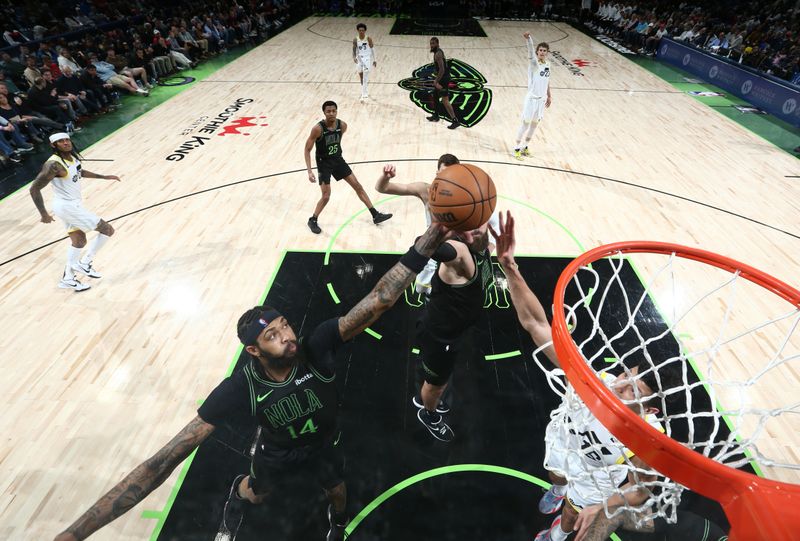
(232, 513)
(526, 152)
(518, 155)
(544, 535)
(72, 283)
(453, 125)
(435, 425)
(441, 409)
(550, 502)
(314, 226)
(381, 217)
(433, 118)
(336, 532)
(87, 269)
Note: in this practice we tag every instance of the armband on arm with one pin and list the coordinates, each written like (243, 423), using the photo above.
(444, 253)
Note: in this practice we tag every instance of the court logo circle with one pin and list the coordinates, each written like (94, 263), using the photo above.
(789, 106)
(712, 73)
(686, 59)
(747, 86)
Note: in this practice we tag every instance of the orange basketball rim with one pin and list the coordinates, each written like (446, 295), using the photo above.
(757, 508)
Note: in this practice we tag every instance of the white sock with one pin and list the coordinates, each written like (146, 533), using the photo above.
(94, 247)
(559, 490)
(73, 255)
(558, 534)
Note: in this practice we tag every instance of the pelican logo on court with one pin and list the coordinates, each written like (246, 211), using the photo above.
(747, 86)
(686, 59)
(712, 73)
(468, 95)
(789, 106)
(240, 123)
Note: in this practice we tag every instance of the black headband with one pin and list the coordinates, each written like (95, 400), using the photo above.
(254, 328)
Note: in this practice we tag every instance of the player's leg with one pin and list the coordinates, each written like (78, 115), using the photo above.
(449, 108)
(360, 71)
(538, 115)
(562, 525)
(325, 196)
(556, 462)
(377, 217)
(77, 240)
(104, 232)
(437, 367)
(364, 82)
(528, 111)
(328, 467)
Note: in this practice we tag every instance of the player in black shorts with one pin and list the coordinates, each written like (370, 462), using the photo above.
(458, 291)
(326, 135)
(288, 386)
(440, 85)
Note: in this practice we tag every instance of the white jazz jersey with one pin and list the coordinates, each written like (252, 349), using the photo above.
(579, 448)
(538, 74)
(67, 204)
(67, 188)
(363, 53)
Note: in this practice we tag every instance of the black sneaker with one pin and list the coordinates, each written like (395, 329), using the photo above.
(233, 512)
(453, 125)
(441, 409)
(313, 226)
(380, 217)
(435, 425)
(336, 532)
(433, 118)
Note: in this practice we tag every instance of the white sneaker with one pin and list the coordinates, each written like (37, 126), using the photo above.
(73, 283)
(87, 269)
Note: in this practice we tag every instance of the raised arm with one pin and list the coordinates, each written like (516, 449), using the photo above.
(385, 185)
(530, 312)
(50, 170)
(316, 131)
(392, 284)
(139, 483)
(89, 174)
(529, 44)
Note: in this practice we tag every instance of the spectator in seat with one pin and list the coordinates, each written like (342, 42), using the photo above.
(13, 69)
(31, 72)
(120, 64)
(70, 100)
(65, 60)
(103, 91)
(718, 43)
(106, 72)
(11, 112)
(70, 85)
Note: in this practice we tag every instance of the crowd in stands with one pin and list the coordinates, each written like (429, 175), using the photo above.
(761, 35)
(64, 63)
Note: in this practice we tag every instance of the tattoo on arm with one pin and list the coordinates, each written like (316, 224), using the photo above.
(50, 170)
(603, 527)
(142, 480)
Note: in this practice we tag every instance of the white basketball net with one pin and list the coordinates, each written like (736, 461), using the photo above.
(735, 345)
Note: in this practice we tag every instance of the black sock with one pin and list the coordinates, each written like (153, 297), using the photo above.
(373, 211)
(313, 217)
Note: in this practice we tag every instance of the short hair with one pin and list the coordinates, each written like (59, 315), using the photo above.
(361, 25)
(434, 38)
(447, 159)
(544, 45)
(328, 104)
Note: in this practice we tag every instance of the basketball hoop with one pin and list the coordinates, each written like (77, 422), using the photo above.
(757, 508)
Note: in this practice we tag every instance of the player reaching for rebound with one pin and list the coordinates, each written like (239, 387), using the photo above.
(282, 369)
(63, 171)
(538, 97)
(364, 57)
(326, 136)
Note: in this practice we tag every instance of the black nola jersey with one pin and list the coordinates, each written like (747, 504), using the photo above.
(329, 144)
(453, 308)
(298, 412)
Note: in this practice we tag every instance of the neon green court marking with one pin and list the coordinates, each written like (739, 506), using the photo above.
(151, 514)
(162, 516)
(333, 293)
(609, 360)
(457, 468)
(373, 333)
(498, 356)
(345, 224)
(415, 351)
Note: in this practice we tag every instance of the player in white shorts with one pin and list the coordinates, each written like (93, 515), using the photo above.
(419, 190)
(586, 463)
(364, 57)
(538, 97)
(63, 171)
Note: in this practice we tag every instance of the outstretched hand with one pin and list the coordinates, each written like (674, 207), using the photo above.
(389, 170)
(504, 239)
(585, 519)
(526, 35)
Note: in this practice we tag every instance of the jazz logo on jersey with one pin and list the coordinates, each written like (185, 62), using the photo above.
(545, 72)
(467, 92)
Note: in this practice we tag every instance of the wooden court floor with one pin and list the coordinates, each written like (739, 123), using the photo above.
(95, 383)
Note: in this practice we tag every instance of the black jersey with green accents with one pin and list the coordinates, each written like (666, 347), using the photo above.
(453, 308)
(300, 412)
(329, 144)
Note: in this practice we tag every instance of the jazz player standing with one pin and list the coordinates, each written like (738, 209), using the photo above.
(63, 169)
(326, 135)
(364, 57)
(538, 97)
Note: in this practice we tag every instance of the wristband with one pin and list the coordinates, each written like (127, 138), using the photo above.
(414, 260)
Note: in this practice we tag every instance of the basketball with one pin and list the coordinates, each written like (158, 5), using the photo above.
(462, 197)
